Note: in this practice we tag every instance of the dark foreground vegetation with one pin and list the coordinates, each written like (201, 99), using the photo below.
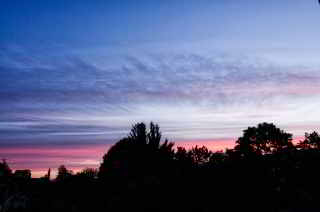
(264, 172)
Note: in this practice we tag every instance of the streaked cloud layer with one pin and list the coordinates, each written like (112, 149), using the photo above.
(203, 80)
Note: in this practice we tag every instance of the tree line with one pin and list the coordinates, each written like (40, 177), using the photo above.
(265, 171)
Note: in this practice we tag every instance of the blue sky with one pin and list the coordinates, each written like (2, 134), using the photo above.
(76, 74)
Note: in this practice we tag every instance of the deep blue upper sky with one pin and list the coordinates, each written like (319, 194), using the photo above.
(81, 72)
(101, 23)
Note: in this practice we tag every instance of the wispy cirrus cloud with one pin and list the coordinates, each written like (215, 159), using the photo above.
(71, 101)
(186, 77)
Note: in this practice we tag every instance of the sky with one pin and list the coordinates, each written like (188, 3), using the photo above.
(76, 75)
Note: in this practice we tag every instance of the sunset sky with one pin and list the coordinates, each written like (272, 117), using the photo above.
(75, 75)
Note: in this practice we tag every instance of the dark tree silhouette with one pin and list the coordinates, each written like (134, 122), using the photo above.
(48, 175)
(200, 155)
(218, 158)
(154, 136)
(140, 152)
(183, 158)
(63, 173)
(5, 170)
(88, 173)
(138, 134)
(116, 161)
(23, 174)
(182, 154)
(311, 141)
(263, 139)
(264, 172)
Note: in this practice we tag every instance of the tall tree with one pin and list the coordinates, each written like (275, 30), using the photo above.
(154, 135)
(140, 151)
(138, 134)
